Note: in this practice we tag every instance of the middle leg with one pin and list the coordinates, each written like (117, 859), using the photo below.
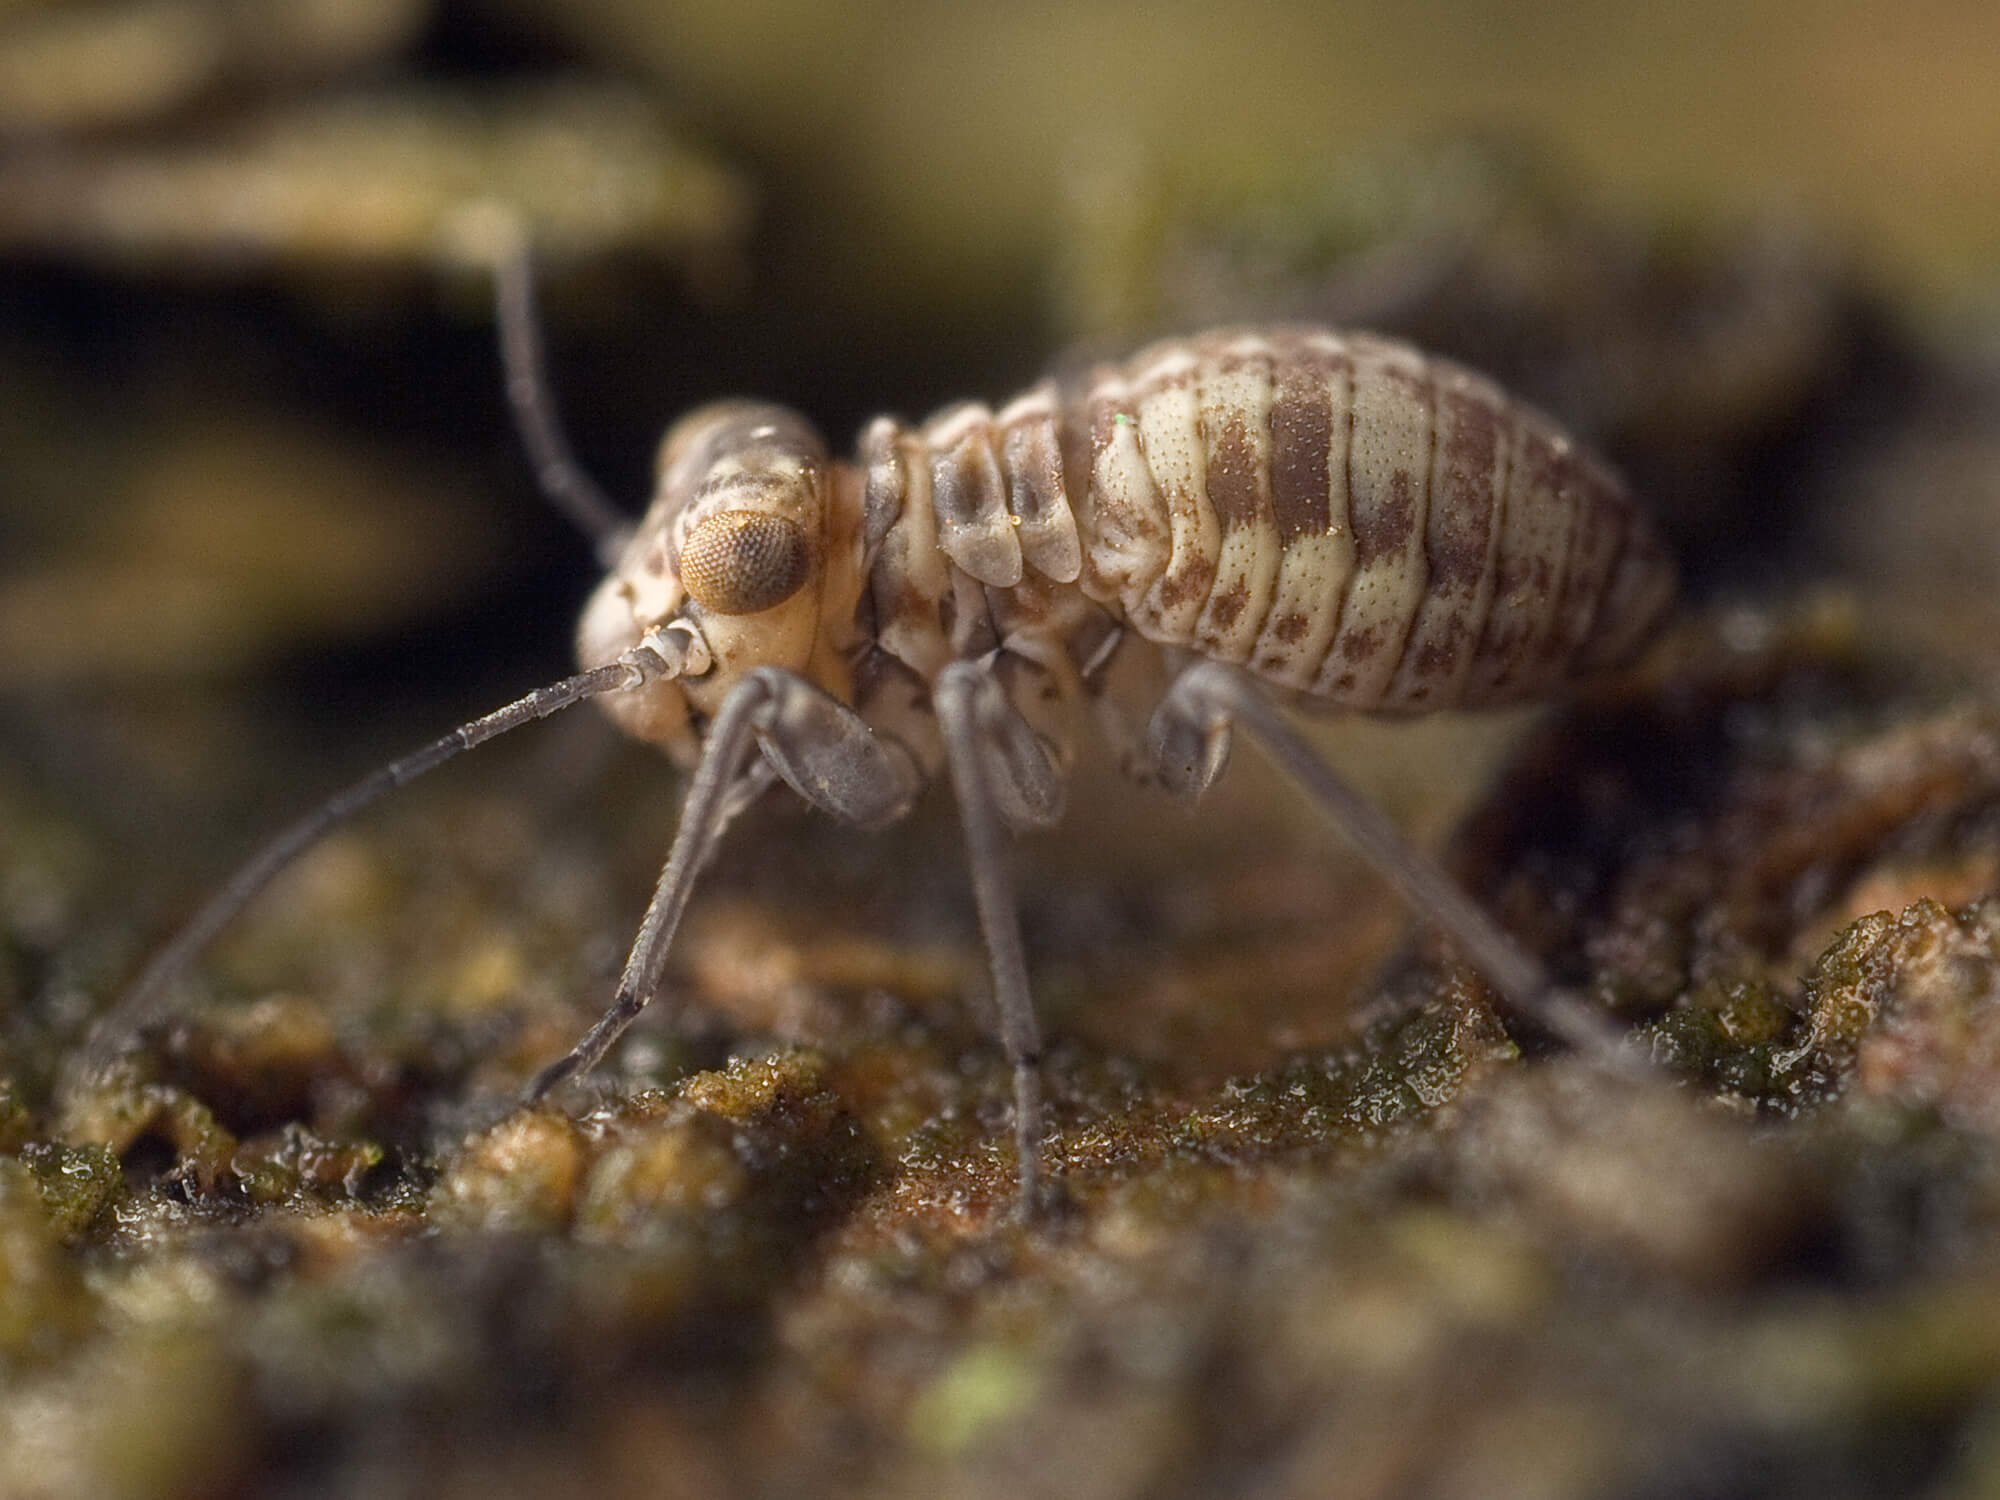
(1001, 773)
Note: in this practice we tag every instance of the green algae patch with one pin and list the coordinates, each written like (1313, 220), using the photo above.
(1844, 993)
(1727, 1034)
(1400, 1071)
(78, 1184)
(695, 1203)
(1904, 1010)
(763, 1149)
(119, 1114)
(293, 1165)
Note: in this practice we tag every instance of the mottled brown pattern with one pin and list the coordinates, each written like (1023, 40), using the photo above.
(1301, 437)
(1469, 448)
(1104, 417)
(1108, 418)
(1226, 605)
(1125, 532)
(1411, 384)
(1233, 488)
(1526, 580)
(1462, 491)
(1389, 462)
(1593, 548)
(1167, 401)
(1359, 645)
(1501, 637)
(1638, 593)
(1290, 628)
(1393, 432)
(1174, 377)
(1383, 518)
(1190, 581)
(1441, 651)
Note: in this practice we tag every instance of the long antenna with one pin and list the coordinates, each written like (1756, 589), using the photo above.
(146, 1002)
(562, 479)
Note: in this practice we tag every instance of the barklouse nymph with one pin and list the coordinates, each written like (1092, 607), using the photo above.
(1334, 516)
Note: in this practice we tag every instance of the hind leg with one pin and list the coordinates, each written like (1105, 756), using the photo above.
(1189, 743)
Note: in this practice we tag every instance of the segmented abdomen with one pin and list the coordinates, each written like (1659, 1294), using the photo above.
(1342, 513)
(1357, 520)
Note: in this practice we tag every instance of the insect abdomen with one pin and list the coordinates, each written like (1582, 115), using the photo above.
(1355, 520)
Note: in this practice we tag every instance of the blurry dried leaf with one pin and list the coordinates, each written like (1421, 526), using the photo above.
(87, 66)
(402, 178)
(236, 540)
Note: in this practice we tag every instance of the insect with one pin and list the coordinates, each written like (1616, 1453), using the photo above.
(1297, 513)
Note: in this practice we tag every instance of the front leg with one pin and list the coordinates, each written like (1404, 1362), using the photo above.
(827, 754)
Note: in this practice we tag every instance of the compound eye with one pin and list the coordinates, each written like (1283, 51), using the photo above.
(740, 562)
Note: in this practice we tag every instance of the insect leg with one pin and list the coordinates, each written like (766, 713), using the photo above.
(1000, 773)
(826, 753)
(1188, 737)
(147, 1001)
(822, 749)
